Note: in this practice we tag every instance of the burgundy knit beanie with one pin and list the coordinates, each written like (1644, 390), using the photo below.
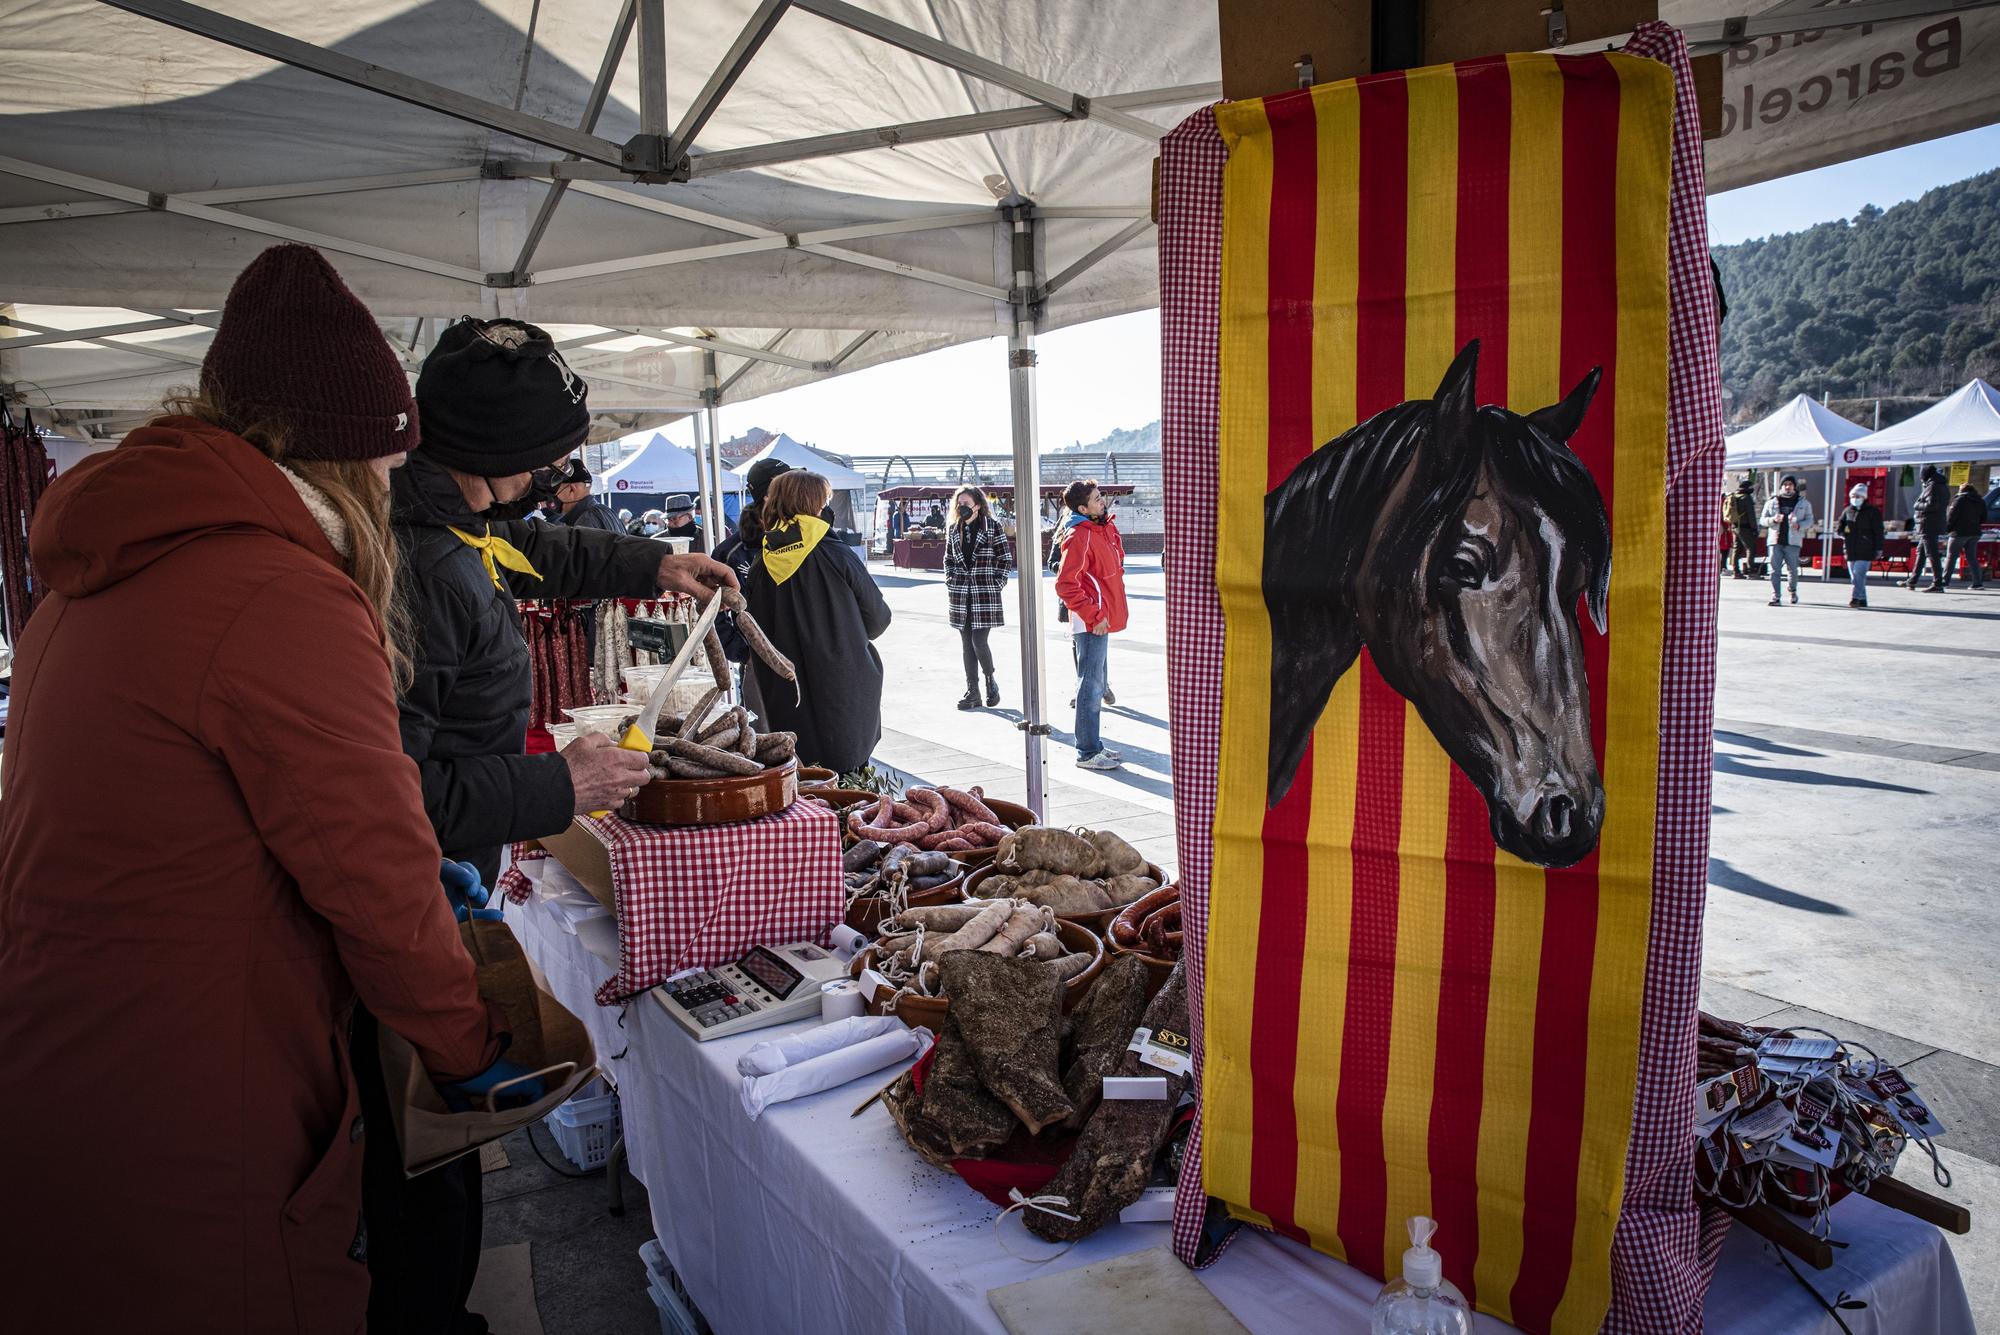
(297, 348)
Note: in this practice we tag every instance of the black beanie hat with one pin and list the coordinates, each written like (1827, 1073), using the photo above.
(761, 475)
(496, 399)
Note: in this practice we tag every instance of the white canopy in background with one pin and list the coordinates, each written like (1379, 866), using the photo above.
(1965, 426)
(1800, 434)
(660, 466)
(789, 451)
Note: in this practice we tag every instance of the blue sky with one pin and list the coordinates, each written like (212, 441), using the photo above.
(1106, 374)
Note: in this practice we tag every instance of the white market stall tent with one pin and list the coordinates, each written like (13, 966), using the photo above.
(1802, 434)
(659, 468)
(1965, 426)
(793, 454)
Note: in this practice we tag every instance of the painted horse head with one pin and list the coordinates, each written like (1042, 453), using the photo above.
(1455, 542)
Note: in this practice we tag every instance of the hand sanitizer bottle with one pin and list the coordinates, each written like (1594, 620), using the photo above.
(1423, 1301)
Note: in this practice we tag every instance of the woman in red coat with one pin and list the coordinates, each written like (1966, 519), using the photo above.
(211, 842)
(1091, 584)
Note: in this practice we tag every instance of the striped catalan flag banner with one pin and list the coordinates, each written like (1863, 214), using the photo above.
(1440, 539)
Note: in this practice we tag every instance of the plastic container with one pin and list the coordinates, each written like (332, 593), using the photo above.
(1423, 1301)
(585, 1128)
(607, 719)
(678, 1314)
(562, 734)
(640, 681)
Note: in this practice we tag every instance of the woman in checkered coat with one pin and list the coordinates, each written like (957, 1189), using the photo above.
(977, 558)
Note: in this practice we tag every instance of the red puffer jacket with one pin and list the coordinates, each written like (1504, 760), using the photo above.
(1091, 582)
(210, 842)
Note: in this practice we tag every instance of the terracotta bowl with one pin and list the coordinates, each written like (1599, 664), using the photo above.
(812, 776)
(1157, 968)
(929, 1012)
(1099, 922)
(714, 801)
(864, 915)
(843, 797)
(1012, 815)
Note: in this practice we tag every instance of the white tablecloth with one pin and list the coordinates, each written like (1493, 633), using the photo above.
(812, 1220)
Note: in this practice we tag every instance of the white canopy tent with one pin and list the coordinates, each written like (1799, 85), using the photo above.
(1964, 426)
(791, 452)
(705, 202)
(660, 468)
(1802, 434)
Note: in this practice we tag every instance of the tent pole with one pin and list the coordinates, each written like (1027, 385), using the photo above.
(711, 393)
(1024, 299)
(1826, 524)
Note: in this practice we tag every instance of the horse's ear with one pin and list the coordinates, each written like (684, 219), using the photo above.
(1560, 421)
(1455, 393)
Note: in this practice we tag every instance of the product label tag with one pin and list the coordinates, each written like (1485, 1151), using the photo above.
(1163, 1051)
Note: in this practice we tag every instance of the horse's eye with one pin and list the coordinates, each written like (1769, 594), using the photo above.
(1465, 569)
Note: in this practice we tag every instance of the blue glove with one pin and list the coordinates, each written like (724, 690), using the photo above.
(465, 893)
(459, 1096)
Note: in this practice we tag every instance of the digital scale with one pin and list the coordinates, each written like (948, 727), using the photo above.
(767, 985)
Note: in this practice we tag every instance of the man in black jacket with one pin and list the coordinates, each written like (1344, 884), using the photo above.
(580, 509)
(1963, 522)
(1928, 530)
(497, 403)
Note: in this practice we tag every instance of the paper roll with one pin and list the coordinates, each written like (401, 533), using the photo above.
(841, 1000)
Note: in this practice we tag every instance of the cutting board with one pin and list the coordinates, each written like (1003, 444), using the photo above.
(1146, 1291)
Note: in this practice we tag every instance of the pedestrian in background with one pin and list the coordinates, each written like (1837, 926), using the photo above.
(976, 560)
(1963, 522)
(821, 608)
(1787, 521)
(1091, 584)
(579, 508)
(682, 522)
(1860, 529)
(1741, 510)
(1927, 533)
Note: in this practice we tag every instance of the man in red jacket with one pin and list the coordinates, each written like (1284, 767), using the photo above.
(1091, 584)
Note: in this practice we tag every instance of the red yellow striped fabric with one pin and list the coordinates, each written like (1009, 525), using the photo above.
(1401, 1017)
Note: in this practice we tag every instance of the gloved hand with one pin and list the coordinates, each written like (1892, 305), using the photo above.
(465, 893)
(461, 1096)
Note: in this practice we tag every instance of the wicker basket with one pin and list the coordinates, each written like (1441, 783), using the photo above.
(1099, 922)
(929, 1012)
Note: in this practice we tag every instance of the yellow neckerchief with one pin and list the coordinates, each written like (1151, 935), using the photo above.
(786, 548)
(496, 552)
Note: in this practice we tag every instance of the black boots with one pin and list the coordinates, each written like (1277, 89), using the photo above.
(970, 700)
(992, 692)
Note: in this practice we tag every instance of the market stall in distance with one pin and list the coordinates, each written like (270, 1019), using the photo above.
(914, 544)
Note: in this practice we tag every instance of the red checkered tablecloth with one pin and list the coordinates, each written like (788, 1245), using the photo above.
(690, 897)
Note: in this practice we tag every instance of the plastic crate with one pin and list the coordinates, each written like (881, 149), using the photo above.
(586, 1128)
(678, 1314)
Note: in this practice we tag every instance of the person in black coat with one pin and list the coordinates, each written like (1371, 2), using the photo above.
(496, 403)
(1860, 529)
(1927, 534)
(580, 509)
(821, 608)
(1963, 522)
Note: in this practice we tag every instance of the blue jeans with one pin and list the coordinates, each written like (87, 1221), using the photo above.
(1093, 654)
(1858, 572)
(1780, 558)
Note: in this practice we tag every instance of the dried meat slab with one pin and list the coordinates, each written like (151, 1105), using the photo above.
(1113, 1159)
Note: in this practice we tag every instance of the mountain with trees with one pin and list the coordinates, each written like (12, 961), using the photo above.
(1891, 303)
(1125, 440)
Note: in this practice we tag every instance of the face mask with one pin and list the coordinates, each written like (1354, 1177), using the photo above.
(965, 512)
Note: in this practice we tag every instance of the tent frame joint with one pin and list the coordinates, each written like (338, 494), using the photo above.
(646, 155)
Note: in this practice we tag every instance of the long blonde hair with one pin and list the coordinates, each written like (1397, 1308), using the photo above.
(356, 494)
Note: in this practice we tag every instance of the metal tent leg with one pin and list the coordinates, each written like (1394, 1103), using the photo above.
(614, 1177)
(1028, 497)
